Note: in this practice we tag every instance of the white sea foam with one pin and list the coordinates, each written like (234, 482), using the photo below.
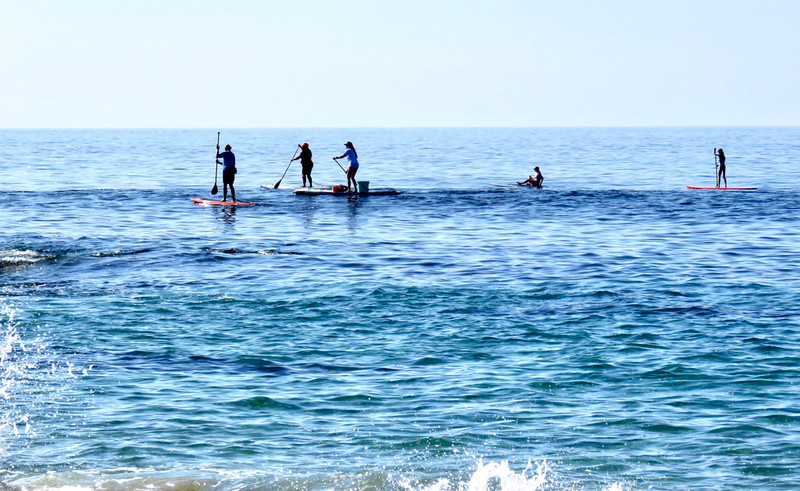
(490, 476)
(499, 476)
(507, 479)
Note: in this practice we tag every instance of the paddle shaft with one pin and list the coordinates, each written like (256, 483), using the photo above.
(716, 164)
(340, 165)
(216, 160)
(216, 164)
(287, 168)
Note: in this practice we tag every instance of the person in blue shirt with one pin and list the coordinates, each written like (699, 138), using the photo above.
(228, 172)
(352, 157)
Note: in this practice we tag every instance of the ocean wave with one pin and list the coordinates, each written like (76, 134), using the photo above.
(13, 260)
(481, 476)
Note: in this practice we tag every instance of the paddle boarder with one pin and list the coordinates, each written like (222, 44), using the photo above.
(228, 172)
(721, 166)
(352, 157)
(305, 161)
(535, 180)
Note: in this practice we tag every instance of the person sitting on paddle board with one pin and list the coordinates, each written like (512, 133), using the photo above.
(305, 161)
(228, 172)
(535, 180)
(352, 157)
(721, 166)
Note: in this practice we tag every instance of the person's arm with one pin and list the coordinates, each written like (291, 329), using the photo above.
(299, 156)
(342, 155)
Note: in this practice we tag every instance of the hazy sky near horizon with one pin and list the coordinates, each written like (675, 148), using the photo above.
(384, 63)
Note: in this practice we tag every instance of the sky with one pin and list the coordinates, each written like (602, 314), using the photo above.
(387, 63)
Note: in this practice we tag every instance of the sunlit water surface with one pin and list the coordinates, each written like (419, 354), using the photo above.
(612, 330)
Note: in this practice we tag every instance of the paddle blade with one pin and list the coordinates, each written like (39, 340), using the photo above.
(277, 184)
(214, 190)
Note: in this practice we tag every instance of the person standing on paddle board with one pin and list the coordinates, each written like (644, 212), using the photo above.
(352, 157)
(305, 161)
(721, 166)
(228, 172)
(535, 180)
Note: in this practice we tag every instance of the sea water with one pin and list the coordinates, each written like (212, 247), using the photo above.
(612, 330)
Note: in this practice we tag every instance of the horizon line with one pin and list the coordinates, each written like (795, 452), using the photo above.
(33, 128)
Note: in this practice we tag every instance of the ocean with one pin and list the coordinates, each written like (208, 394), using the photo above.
(610, 331)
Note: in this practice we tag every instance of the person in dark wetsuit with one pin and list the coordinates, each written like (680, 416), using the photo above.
(721, 166)
(535, 180)
(305, 161)
(228, 172)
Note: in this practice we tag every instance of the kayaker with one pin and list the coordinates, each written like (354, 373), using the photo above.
(305, 161)
(228, 172)
(352, 157)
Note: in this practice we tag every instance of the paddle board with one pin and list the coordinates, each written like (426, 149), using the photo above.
(204, 201)
(330, 191)
(515, 186)
(720, 189)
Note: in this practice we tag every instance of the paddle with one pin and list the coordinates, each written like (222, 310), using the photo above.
(340, 166)
(214, 190)
(716, 167)
(287, 169)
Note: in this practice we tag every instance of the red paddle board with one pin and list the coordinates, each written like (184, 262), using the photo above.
(720, 189)
(204, 201)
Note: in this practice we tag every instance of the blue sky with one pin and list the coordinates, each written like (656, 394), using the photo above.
(237, 63)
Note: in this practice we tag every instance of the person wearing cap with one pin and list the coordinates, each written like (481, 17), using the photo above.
(305, 161)
(352, 158)
(535, 180)
(228, 172)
